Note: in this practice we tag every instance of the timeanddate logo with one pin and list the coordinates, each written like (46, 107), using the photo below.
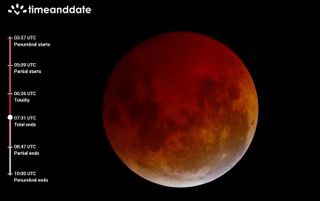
(18, 9)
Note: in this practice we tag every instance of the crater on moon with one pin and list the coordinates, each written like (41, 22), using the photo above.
(180, 109)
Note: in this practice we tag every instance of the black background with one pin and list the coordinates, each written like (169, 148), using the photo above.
(75, 154)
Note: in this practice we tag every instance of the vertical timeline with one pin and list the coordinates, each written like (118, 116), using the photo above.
(10, 117)
(24, 162)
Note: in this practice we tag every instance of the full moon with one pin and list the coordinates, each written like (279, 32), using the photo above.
(180, 109)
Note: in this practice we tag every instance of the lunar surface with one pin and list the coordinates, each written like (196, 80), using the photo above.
(180, 109)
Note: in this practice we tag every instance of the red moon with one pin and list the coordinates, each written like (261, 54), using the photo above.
(180, 109)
